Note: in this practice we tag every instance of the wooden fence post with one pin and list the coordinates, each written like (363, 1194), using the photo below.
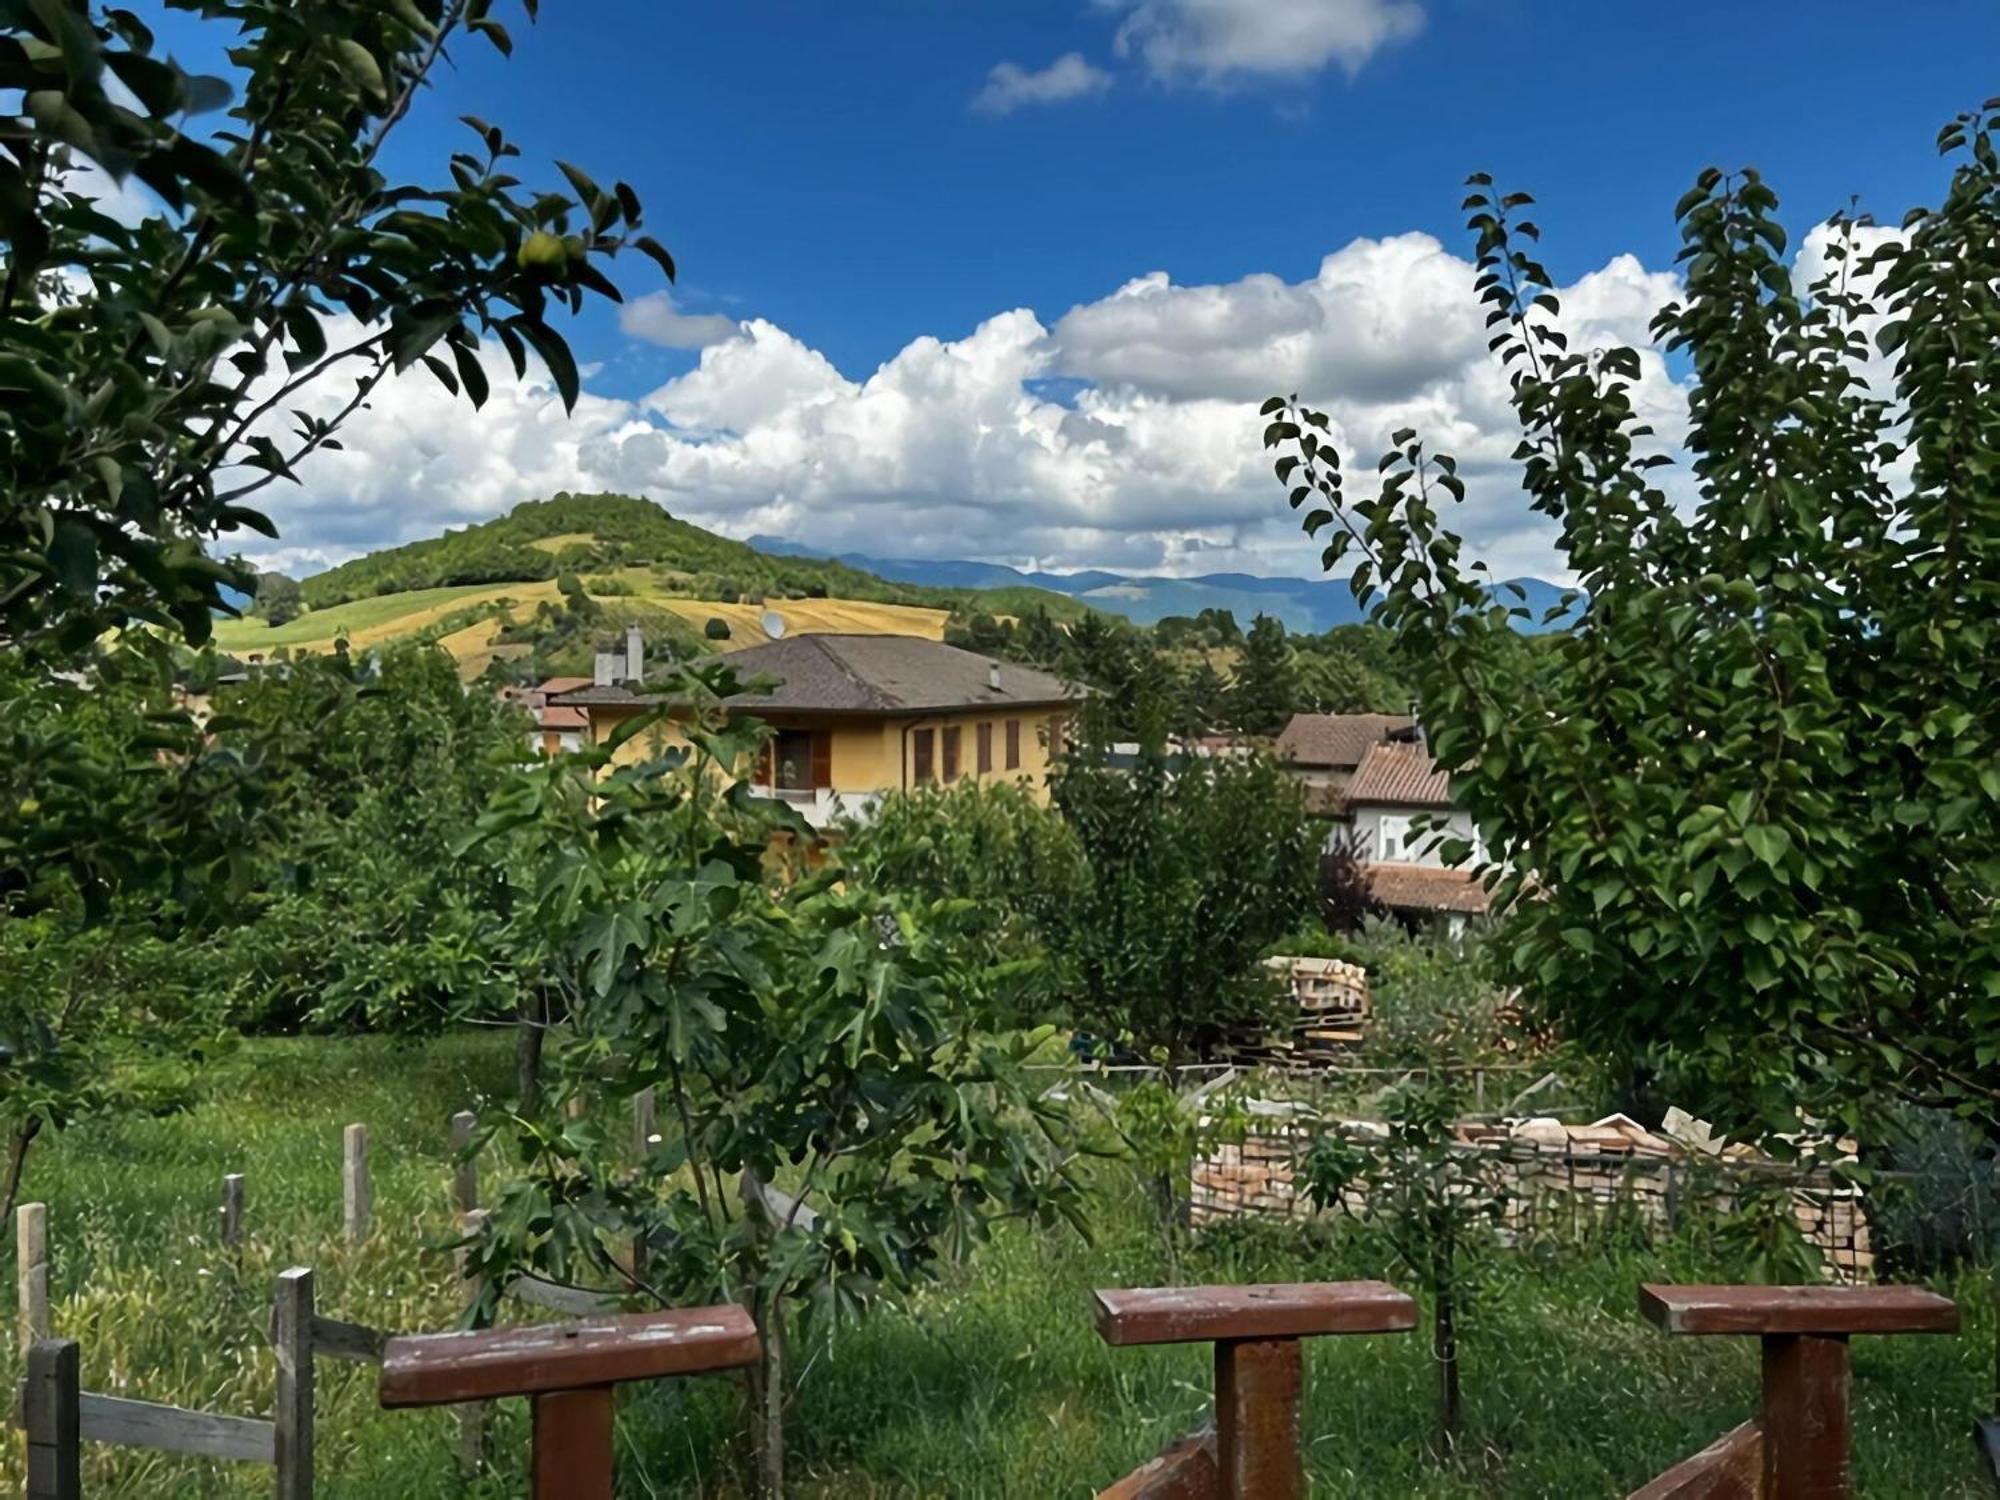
(292, 1421)
(472, 1416)
(232, 1210)
(643, 1119)
(465, 1172)
(1798, 1446)
(52, 1413)
(31, 1271)
(354, 1182)
(568, 1371)
(1255, 1452)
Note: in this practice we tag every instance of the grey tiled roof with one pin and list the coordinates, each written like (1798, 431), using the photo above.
(864, 674)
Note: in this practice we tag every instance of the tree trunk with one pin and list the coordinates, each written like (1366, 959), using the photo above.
(1444, 1353)
(533, 1016)
(767, 1395)
(17, 1161)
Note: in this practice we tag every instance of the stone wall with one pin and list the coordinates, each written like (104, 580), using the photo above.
(1557, 1180)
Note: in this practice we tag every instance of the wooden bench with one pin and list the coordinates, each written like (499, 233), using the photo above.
(568, 1371)
(1254, 1451)
(1798, 1446)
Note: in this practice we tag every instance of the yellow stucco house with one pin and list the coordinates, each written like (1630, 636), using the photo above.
(856, 716)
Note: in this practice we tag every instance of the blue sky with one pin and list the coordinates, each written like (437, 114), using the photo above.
(818, 164)
(833, 172)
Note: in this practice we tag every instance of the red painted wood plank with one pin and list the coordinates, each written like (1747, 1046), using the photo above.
(1730, 1468)
(1808, 1427)
(1798, 1309)
(1185, 1471)
(1200, 1314)
(433, 1369)
(572, 1445)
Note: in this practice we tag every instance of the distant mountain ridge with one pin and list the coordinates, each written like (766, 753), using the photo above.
(1305, 605)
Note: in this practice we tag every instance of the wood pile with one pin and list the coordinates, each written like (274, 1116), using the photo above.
(1329, 1009)
(1556, 1178)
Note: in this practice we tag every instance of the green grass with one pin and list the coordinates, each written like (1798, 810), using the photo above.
(990, 1383)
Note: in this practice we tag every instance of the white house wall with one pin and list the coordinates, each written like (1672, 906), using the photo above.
(1370, 824)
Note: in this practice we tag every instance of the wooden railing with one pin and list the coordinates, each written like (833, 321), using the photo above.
(569, 1372)
(1254, 1451)
(1797, 1448)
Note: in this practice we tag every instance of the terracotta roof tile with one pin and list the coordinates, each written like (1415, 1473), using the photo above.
(1338, 741)
(1399, 771)
(1426, 888)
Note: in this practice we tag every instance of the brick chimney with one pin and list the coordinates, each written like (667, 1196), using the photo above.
(604, 671)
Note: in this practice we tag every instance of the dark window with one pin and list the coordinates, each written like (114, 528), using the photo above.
(983, 737)
(951, 753)
(920, 756)
(1013, 744)
(793, 751)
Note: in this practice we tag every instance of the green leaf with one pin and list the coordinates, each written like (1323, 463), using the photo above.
(1768, 842)
(555, 355)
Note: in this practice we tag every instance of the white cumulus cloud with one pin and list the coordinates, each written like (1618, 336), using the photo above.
(1009, 86)
(1123, 433)
(1223, 42)
(658, 320)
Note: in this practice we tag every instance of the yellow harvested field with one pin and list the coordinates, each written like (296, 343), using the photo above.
(473, 649)
(565, 539)
(388, 617)
(811, 617)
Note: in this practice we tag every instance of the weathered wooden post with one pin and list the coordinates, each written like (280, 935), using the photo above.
(355, 1201)
(232, 1210)
(465, 1172)
(645, 1126)
(31, 1271)
(472, 1415)
(292, 1417)
(1255, 1452)
(643, 1121)
(568, 1370)
(1798, 1446)
(52, 1414)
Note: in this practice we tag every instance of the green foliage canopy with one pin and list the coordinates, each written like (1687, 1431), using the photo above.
(1750, 801)
(1192, 867)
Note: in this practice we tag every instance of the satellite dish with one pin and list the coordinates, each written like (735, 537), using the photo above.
(773, 623)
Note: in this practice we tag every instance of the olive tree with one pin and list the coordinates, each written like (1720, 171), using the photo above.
(1747, 806)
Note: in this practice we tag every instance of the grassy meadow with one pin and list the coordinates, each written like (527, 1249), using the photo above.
(990, 1383)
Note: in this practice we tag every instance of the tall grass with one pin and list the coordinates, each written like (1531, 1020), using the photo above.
(989, 1383)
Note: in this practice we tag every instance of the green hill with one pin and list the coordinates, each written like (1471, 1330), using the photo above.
(593, 534)
(527, 593)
